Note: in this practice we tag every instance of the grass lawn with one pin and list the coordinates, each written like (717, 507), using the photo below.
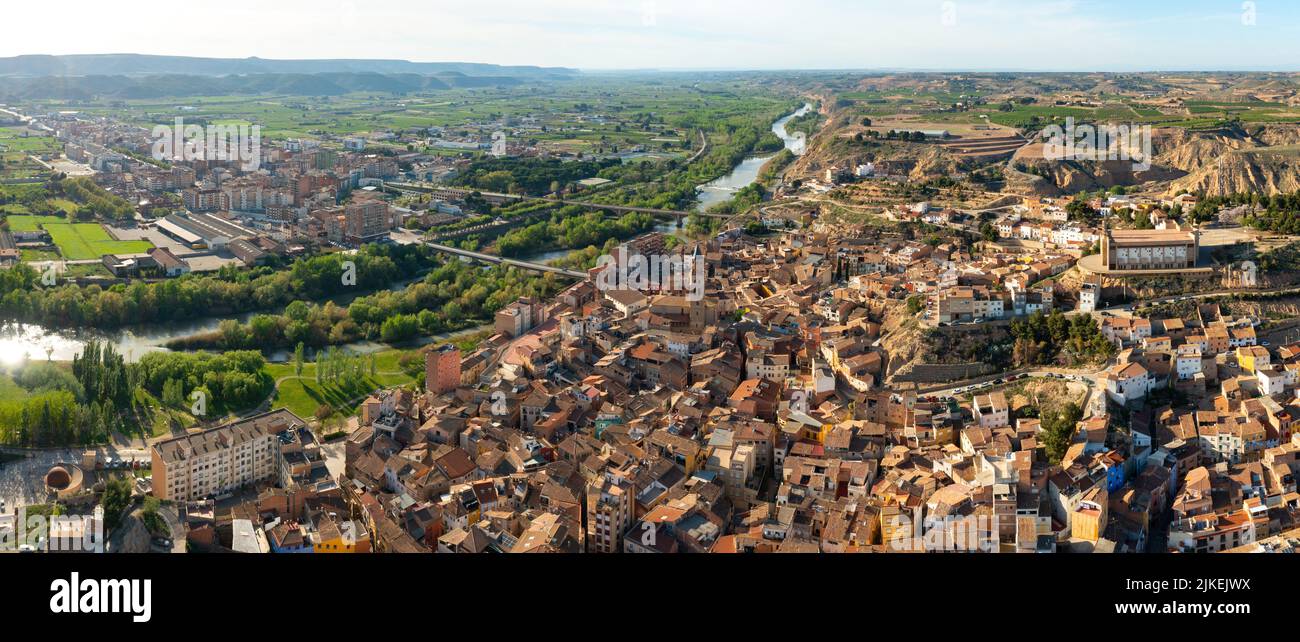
(84, 270)
(28, 223)
(64, 205)
(10, 391)
(79, 241)
(37, 256)
(302, 395)
(157, 420)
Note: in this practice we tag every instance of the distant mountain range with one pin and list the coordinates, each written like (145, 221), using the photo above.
(139, 64)
(127, 76)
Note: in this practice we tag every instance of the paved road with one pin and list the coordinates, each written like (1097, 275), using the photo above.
(989, 382)
(1126, 310)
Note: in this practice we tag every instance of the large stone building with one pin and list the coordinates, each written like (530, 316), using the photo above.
(1131, 250)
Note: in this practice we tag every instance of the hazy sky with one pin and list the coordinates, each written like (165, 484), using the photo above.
(673, 34)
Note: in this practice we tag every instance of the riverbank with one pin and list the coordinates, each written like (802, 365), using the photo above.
(723, 189)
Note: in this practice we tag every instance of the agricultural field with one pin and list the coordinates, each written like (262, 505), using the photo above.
(17, 145)
(938, 106)
(78, 241)
(18, 139)
(613, 115)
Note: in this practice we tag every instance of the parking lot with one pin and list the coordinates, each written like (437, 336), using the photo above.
(22, 475)
(151, 234)
(22, 480)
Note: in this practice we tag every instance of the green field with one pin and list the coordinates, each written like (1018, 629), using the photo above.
(12, 139)
(64, 205)
(23, 223)
(599, 114)
(302, 395)
(78, 241)
(15, 149)
(10, 391)
(37, 256)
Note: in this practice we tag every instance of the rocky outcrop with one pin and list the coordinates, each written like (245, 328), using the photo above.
(1266, 170)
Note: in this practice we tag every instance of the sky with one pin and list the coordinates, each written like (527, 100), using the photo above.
(954, 35)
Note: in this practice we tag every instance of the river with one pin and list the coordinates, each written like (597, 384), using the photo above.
(721, 189)
(724, 188)
(28, 341)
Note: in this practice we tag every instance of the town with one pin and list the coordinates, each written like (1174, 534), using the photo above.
(855, 313)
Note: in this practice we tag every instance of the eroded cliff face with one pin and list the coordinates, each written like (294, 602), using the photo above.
(1233, 158)
(1264, 158)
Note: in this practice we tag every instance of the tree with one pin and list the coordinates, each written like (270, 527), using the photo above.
(398, 328)
(1079, 210)
(1058, 426)
(299, 354)
(152, 520)
(1142, 220)
(116, 499)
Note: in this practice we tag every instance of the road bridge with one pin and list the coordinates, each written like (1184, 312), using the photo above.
(489, 258)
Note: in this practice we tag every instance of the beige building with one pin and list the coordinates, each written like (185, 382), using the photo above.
(215, 461)
(1171, 249)
(518, 317)
(366, 221)
(609, 512)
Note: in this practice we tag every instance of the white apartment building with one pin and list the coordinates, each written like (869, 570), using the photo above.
(1126, 382)
(1188, 362)
(992, 410)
